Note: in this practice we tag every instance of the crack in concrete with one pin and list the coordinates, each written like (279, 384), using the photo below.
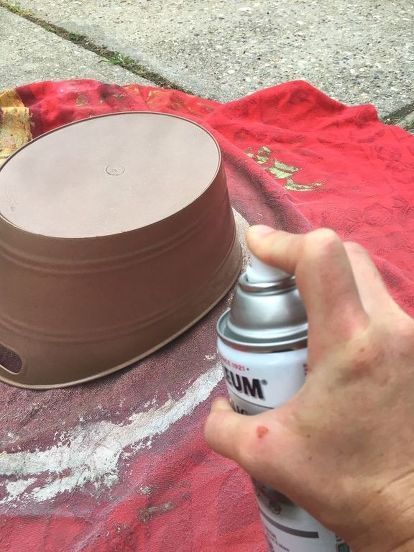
(111, 56)
(405, 113)
(403, 117)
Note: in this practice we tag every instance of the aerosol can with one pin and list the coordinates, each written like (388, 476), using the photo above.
(262, 343)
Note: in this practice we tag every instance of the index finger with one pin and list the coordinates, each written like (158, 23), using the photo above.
(323, 273)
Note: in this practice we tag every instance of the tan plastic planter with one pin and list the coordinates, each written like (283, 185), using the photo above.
(116, 234)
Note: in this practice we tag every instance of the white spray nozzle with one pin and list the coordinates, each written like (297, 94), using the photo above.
(259, 272)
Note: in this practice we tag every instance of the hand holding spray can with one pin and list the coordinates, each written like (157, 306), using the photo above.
(262, 343)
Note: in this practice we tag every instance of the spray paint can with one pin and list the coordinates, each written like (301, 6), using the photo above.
(262, 343)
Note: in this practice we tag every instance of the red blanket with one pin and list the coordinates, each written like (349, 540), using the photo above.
(120, 464)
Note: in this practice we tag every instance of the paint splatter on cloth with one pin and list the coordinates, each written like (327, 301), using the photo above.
(120, 464)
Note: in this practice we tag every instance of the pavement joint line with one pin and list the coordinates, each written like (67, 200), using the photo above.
(403, 117)
(107, 55)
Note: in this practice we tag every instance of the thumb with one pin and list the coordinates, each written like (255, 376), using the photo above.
(223, 429)
(252, 441)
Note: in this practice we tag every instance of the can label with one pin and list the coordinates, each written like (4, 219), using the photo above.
(262, 381)
(256, 383)
(289, 528)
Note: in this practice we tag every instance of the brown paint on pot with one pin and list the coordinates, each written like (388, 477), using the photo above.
(116, 235)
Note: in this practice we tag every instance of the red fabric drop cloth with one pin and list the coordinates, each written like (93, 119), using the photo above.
(120, 464)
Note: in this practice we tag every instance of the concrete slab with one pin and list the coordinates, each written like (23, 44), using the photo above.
(28, 53)
(355, 50)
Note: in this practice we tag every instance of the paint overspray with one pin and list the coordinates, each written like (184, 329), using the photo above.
(262, 344)
(90, 454)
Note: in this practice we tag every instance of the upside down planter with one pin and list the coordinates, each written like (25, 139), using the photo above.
(116, 235)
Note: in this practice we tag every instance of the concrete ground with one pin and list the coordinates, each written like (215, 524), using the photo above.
(29, 53)
(357, 51)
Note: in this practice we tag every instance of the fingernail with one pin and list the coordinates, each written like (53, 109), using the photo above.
(261, 230)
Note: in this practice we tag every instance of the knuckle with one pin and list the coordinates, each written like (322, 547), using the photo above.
(404, 335)
(321, 243)
(406, 327)
(364, 346)
(366, 356)
(367, 353)
(378, 354)
(323, 237)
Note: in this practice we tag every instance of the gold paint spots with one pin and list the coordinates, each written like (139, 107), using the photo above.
(81, 100)
(280, 170)
(291, 185)
(14, 124)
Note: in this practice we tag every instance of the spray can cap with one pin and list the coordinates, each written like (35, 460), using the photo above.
(267, 313)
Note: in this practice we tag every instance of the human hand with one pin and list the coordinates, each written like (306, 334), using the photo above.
(343, 447)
